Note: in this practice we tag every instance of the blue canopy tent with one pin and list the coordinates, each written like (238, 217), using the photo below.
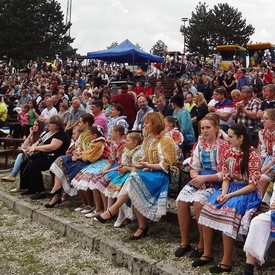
(125, 52)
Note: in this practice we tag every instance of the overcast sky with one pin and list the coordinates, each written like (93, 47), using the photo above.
(97, 23)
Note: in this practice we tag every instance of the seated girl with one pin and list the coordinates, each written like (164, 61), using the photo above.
(115, 179)
(92, 178)
(35, 133)
(60, 166)
(258, 239)
(267, 149)
(230, 209)
(147, 188)
(97, 148)
(207, 158)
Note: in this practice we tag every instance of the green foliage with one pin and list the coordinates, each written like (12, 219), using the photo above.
(33, 28)
(139, 46)
(160, 48)
(222, 25)
(112, 45)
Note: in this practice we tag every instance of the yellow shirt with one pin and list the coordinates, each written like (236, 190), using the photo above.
(3, 111)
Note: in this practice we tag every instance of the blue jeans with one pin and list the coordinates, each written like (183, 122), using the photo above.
(16, 166)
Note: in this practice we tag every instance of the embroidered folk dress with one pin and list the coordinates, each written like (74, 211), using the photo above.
(206, 159)
(178, 138)
(90, 175)
(259, 230)
(116, 151)
(267, 153)
(148, 189)
(114, 181)
(233, 217)
(60, 166)
(97, 156)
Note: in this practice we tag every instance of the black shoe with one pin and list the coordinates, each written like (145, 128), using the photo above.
(51, 195)
(38, 196)
(200, 262)
(142, 235)
(219, 269)
(182, 250)
(27, 192)
(102, 220)
(58, 202)
(196, 252)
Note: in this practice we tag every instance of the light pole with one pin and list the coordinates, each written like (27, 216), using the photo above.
(184, 19)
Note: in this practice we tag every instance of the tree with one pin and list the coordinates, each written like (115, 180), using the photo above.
(222, 25)
(32, 29)
(112, 45)
(139, 46)
(230, 28)
(159, 48)
(198, 33)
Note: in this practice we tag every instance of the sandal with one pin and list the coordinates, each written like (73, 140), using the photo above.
(200, 262)
(182, 250)
(219, 269)
(196, 252)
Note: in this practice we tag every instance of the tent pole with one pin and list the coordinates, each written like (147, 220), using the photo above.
(133, 68)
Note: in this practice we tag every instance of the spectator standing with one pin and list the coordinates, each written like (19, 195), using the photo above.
(128, 103)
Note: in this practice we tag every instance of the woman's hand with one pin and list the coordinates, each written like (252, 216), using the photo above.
(32, 149)
(144, 164)
(223, 198)
(122, 170)
(197, 181)
(272, 206)
(74, 158)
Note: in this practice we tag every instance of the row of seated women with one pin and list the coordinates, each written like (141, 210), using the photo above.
(223, 187)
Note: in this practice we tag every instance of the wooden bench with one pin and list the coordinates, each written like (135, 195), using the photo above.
(14, 142)
(6, 153)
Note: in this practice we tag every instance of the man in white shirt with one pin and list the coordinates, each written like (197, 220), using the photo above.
(48, 111)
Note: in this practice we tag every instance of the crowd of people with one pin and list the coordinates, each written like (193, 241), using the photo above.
(117, 152)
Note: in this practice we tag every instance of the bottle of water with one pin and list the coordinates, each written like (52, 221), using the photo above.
(272, 224)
